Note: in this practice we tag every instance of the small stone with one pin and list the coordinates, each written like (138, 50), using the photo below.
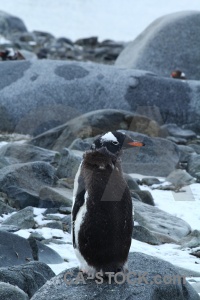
(194, 164)
(54, 225)
(180, 178)
(132, 184)
(177, 131)
(142, 234)
(150, 181)
(146, 197)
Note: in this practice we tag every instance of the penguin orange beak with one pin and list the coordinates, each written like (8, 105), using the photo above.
(129, 143)
(136, 144)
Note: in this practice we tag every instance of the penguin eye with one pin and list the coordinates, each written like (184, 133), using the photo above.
(115, 143)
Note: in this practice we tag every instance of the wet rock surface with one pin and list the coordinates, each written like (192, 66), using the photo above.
(140, 264)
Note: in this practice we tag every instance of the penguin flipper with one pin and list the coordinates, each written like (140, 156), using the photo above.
(79, 199)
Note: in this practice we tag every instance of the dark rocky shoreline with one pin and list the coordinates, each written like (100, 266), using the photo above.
(61, 106)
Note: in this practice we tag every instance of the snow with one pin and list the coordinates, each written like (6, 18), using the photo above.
(184, 205)
(119, 20)
(4, 41)
(2, 144)
(109, 137)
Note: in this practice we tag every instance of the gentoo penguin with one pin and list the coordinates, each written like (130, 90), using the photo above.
(102, 207)
(10, 54)
(178, 74)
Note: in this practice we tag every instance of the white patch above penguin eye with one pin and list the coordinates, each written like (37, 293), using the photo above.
(93, 146)
(108, 137)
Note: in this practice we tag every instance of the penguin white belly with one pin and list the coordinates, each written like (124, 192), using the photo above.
(83, 265)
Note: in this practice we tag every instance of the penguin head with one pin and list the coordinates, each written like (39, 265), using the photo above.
(178, 74)
(114, 142)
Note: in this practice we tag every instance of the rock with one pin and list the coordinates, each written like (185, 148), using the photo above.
(161, 39)
(196, 147)
(196, 253)
(191, 241)
(92, 41)
(68, 164)
(36, 236)
(81, 145)
(11, 292)
(194, 164)
(55, 197)
(142, 234)
(67, 223)
(28, 277)
(146, 197)
(65, 210)
(150, 181)
(9, 25)
(178, 132)
(185, 152)
(24, 219)
(163, 238)
(180, 178)
(14, 250)
(22, 182)
(196, 287)
(158, 157)
(130, 91)
(43, 253)
(176, 140)
(4, 208)
(132, 184)
(94, 123)
(23, 153)
(142, 265)
(159, 221)
(9, 228)
(54, 225)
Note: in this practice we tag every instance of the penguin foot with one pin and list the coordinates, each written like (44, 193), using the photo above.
(90, 272)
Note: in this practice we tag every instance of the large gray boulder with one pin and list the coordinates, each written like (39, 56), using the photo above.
(22, 153)
(11, 292)
(167, 44)
(15, 250)
(158, 157)
(38, 95)
(160, 221)
(28, 277)
(95, 123)
(154, 279)
(22, 182)
(23, 219)
(10, 25)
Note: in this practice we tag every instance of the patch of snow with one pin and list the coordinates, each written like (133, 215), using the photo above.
(23, 233)
(3, 143)
(6, 216)
(4, 41)
(168, 252)
(38, 211)
(39, 219)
